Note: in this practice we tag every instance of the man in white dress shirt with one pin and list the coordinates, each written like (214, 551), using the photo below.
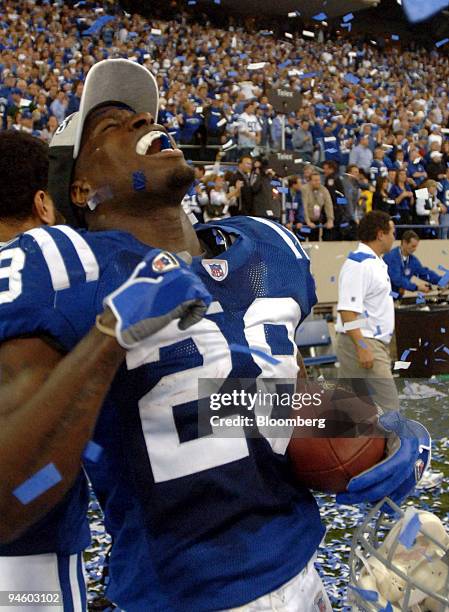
(365, 307)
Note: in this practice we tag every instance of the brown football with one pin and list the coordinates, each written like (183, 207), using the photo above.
(350, 443)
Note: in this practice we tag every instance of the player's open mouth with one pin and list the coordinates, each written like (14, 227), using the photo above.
(152, 143)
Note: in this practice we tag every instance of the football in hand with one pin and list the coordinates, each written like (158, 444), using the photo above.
(325, 457)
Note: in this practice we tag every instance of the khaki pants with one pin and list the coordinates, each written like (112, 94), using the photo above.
(378, 380)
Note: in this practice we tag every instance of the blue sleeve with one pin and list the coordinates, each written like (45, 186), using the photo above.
(27, 297)
(424, 273)
(394, 192)
(395, 271)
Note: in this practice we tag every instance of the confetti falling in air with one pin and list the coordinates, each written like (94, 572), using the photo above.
(320, 17)
(38, 484)
(419, 10)
(442, 42)
(348, 17)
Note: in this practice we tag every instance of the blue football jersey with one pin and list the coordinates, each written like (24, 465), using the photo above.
(199, 521)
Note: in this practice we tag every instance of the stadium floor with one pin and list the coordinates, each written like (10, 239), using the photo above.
(340, 521)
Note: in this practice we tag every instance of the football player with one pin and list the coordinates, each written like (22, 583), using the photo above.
(24, 199)
(199, 521)
(38, 560)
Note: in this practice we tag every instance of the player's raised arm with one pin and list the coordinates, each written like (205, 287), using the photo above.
(48, 407)
(49, 402)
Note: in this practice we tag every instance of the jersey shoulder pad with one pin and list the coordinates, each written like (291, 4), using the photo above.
(35, 268)
(264, 230)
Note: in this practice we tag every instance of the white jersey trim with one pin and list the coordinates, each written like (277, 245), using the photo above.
(84, 252)
(283, 234)
(53, 258)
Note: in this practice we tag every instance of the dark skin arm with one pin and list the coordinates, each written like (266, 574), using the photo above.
(49, 405)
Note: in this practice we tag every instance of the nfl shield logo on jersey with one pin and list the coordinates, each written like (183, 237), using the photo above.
(164, 262)
(217, 268)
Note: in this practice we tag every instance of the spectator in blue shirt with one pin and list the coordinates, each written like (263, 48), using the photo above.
(403, 265)
(192, 124)
(401, 192)
(378, 166)
(75, 99)
(415, 169)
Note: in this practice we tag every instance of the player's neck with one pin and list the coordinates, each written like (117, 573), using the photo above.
(376, 247)
(11, 228)
(166, 228)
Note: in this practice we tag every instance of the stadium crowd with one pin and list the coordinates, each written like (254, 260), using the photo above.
(373, 121)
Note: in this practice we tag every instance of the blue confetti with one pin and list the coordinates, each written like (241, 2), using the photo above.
(348, 26)
(346, 224)
(417, 10)
(378, 331)
(38, 484)
(282, 189)
(446, 350)
(443, 330)
(305, 230)
(217, 1)
(342, 201)
(180, 58)
(409, 532)
(442, 42)
(239, 348)
(363, 344)
(394, 37)
(233, 73)
(276, 183)
(420, 299)
(320, 17)
(139, 181)
(351, 78)
(348, 17)
(191, 2)
(394, 295)
(444, 280)
(92, 451)
(405, 354)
